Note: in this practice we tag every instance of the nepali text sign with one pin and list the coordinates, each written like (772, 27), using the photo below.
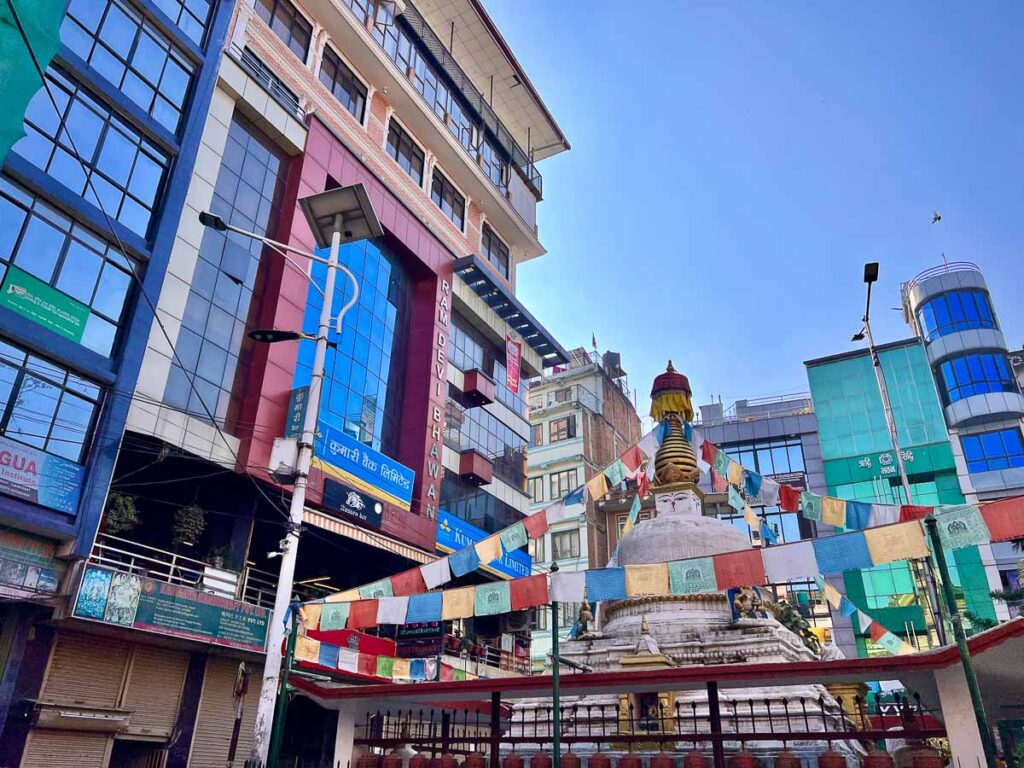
(358, 465)
(31, 475)
(338, 497)
(296, 412)
(513, 362)
(34, 299)
(918, 459)
(28, 564)
(454, 533)
(127, 600)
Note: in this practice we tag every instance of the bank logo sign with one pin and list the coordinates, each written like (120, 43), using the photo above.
(34, 299)
(360, 467)
(454, 533)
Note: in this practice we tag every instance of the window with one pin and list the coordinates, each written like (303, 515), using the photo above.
(448, 199)
(568, 613)
(539, 618)
(469, 349)
(1002, 449)
(537, 434)
(976, 373)
(563, 395)
(405, 152)
(190, 15)
(565, 544)
(621, 520)
(561, 429)
(120, 166)
(536, 549)
(535, 486)
(492, 164)
(44, 405)
(132, 54)
(475, 505)
(43, 242)
(341, 81)
(955, 311)
(481, 430)
(770, 457)
(561, 484)
(290, 25)
(494, 250)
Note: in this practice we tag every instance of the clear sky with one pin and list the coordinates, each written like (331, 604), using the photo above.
(734, 164)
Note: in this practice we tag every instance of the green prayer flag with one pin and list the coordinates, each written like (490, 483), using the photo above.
(686, 577)
(891, 643)
(19, 78)
(961, 525)
(380, 588)
(810, 505)
(334, 616)
(385, 667)
(722, 463)
(514, 537)
(458, 674)
(493, 598)
(735, 499)
(615, 473)
(634, 510)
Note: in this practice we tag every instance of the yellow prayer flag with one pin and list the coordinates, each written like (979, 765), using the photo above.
(832, 595)
(906, 649)
(735, 473)
(348, 596)
(751, 519)
(400, 669)
(309, 615)
(833, 511)
(647, 580)
(627, 527)
(307, 649)
(597, 486)
(458, 603)
(488, 550)
(902, 541)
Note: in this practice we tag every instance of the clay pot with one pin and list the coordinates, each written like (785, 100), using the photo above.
(663, 760)
(447, 760)
(599, 760)
(419, 760)
(476, 760)
(786, 759)
(367, 760)
(631, 761)
(392, 760)
(540, 760)
(831, 759)
(694, 759)
(511, 760)
(876, 758)
(571, 760)
(743, 760)
(929, 758)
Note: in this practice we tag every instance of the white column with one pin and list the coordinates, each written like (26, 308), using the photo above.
(350, 715)
(958, 714)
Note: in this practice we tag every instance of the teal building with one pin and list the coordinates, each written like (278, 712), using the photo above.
(860, 464)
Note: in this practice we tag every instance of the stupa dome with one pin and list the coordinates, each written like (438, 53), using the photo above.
(670, 537)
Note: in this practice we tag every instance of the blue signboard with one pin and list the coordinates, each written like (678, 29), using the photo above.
(364, 469)
(454, 533)
(41, 478)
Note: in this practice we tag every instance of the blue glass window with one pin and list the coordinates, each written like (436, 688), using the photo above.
(113, 162)
(475, 428)
(494, 250)
(469, 349)
(475, 505)
(42, 241)
(976, 374)
(190, 16)
(44, 405)
(448, 199)
(955, 311)
(1001, 449)
(288, 24)
(365, 373)
(342, 82)
(132, 54)
(405, 152)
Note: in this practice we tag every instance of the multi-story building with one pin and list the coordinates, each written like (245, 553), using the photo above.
(859, 464)
(424, 104)
(90, 201)
(582, 417)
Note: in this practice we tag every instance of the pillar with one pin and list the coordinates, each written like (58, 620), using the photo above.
(958, 714)
(350, 715)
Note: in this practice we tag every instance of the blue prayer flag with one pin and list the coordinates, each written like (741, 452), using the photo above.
(662, 431)
(417, 669)
(857, 514)
(753, 484)
(767, 533)
(576, 497)
(464, 561)
(606, 584)
(328, 656)
(846, 607)
(688, 432)
(424, 608)
(844, 552)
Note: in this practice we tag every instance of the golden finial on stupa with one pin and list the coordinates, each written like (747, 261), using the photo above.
(675, 461)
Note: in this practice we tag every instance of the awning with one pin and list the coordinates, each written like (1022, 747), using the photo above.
(378, 540)
(474, 274)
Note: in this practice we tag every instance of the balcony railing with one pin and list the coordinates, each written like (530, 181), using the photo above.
(262, 74)
(573, 394)
(942, 269)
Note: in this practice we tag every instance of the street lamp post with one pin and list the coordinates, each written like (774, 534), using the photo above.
(556, 697)
(870, 277)
(337, 216)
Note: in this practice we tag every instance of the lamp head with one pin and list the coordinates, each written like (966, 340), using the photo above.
(272, 336)
(871, 272)
(352, 204)
(213, 221)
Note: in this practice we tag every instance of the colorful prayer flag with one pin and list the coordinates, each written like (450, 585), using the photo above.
(436, 573)
(576, 497)
(417, 669)
(488, 550)
(769, 492)
(392, 610)
(334, 616)
(687, 577)
(385, 667)
(424, 608)
(401, 669)
(536, 525)
(810, 505)
(328, 656)
(408, 582)
(567, 586)
(833, 596)
(913, 512)
(367, 664)
(615, 473)
(309, 614)
(718, 483)
(514, 537)
(722, 462)
(464, 561)
(362, 614)
(559, 511)
(1005, 518)
(846, 608)
(380, 588)
(768, 534)
(788, 562)
(458, 603)
(893, 644)
(750, 518)
(752, 484)
(833, 511)
(863, 621)
(735, 500)
(307, 649)
(597, 486)
(858, 515)
(642, 580)
(789, 498)
(529, 592)
(961, 526)
(493, 598)
(447, 673)
(843, 552)
(903, 541)
(632, 459)
(708, 452)
(883, 514)
(606, 584)
(736, 473)
(348, 660)
(739, 569)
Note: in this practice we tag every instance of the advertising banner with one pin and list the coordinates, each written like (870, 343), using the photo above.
(340, 498)
(454, 533)
(34, 299)
(362, 468)
(31, 475)
(28, 566)
(296, 412)
(513, 362)
(128, 600)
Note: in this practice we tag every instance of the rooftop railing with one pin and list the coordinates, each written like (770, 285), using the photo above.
(942, 269)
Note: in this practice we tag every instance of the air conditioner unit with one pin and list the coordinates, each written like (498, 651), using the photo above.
(516, 622)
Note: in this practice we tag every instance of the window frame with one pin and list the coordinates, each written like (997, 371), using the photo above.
(975, 445)
(297, 18)
(932, 327)
(448, 186)
(572, 536)
(532, 485)
(537, 434)
(403, 134)
(556, 483)
(340, 64)
(489, 241)
(555, 428)
(958, 379)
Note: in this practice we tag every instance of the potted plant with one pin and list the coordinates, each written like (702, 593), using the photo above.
(121, 514)
(189, 524)
(216, 556)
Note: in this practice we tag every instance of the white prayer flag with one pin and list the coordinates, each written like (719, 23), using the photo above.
(567, 586)
(789, 561)
(436, 573)
(391, 610)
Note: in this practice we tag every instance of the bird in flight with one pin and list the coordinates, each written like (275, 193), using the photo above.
(936, 217)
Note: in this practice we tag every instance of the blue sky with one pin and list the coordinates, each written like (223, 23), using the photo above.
(734, 164)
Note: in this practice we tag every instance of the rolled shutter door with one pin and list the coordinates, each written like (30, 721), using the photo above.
(86, 670)
(50, 749)
(153, 690)
(217, 715)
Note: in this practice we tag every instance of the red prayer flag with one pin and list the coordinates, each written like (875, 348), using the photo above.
(708, 452)
(408, 583)
(876, 630)
(1005, 519)
(739, 569)
(632, 458)
(367, 664)
(643, 484)
(362, 614)
(718, 483)
(789, 498)
(447, 673)
(910, 512)
(529, 592)
(536, 524)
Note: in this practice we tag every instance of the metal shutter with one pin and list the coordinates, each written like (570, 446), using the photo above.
(85, 670)
(217, 715)
(153, 690)
(50, 749)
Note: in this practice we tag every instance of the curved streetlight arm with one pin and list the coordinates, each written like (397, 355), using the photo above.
(351, 302)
